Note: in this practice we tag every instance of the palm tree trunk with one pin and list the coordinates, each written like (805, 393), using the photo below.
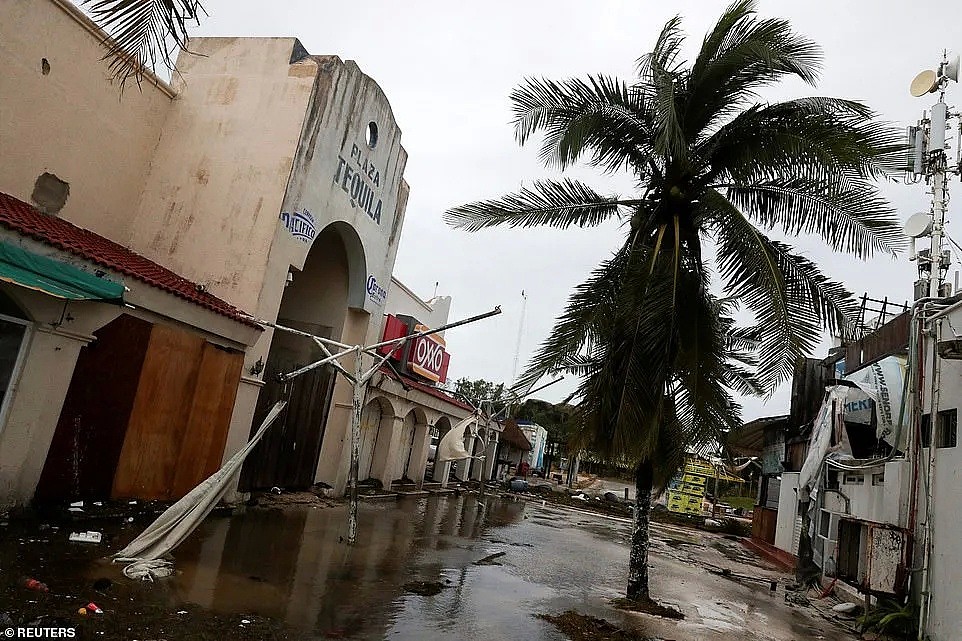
(638, 557)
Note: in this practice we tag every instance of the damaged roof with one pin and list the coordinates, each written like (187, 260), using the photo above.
(512, 435)
(427, 389)
(27, 220)
(749, 439)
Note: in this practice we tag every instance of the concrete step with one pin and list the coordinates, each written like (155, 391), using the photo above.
(380, 496)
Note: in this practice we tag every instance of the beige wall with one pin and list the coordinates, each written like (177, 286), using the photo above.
(212, 198)
(72, 122)
(401, 300)
(37, 394)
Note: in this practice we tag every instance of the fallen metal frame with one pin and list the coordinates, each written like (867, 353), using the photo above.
(359, 379)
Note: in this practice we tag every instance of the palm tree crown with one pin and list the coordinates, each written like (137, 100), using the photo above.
(712, 163)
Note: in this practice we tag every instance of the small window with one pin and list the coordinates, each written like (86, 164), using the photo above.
(926, 428)
(853, 478)
(948, 423)
(878, 478)
(370, 136)
(824, 524)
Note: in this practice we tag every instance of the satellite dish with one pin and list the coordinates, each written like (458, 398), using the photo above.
(924, 83)
(918, 225)
(950, 69)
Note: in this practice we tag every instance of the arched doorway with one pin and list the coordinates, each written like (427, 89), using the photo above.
(376, 419)
(314, 301)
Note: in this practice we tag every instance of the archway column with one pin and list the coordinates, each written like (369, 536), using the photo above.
(464, 464)
(387, 451)
(422, 448)
(442, 471)
(491, 454)
(477, 465)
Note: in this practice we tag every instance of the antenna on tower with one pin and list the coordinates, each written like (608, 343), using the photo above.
(517, 346)
(930, 161)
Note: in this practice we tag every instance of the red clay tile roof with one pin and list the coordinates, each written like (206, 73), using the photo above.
(428, 389)
(29, 221)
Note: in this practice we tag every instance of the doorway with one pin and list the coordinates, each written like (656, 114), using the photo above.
(314, 301)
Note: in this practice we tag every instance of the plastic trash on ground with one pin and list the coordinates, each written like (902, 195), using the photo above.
(90, 536)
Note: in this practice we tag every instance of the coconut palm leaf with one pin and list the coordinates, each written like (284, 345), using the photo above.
(552, 203)
(143, 33)
(602, 115)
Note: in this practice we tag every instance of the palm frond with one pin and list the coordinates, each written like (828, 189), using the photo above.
(143, 33)
(588, 305)
(808, 137)
(739, 56)
(791, 299)
(849, 216)
(661, 77)
(553, 203)
(601, 115)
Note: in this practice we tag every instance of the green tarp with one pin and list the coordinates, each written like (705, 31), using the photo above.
(24, 268)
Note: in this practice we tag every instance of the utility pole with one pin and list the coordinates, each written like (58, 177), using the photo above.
(930, 161)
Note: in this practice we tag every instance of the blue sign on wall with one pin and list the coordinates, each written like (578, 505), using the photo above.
(301, 224)
(375, 292)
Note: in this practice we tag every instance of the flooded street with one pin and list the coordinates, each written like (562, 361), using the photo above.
(286, 573)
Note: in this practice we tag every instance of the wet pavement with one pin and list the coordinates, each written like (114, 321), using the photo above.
(287, 573)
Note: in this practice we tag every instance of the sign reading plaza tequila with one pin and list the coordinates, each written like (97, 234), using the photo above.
(361, 181)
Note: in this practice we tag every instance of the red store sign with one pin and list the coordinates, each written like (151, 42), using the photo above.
(424, 356)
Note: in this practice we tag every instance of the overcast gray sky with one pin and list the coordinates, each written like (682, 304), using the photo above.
(448, 68)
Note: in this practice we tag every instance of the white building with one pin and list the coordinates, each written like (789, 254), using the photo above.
(538, 437)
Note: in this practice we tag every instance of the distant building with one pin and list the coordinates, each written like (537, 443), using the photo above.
(513, 448)
(538, 437)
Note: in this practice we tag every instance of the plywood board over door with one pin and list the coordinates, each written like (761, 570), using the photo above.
(202, 450)
(178, 425)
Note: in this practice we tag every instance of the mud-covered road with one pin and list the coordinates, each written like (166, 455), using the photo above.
(286, 573)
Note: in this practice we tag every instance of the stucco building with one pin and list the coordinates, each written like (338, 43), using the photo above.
(262, 183)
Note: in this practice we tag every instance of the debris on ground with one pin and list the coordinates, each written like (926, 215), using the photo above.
(845, 608)
(424, 588)
(490, 559)
(271, 499)
(648, 606)
(796, 598)
(90, 536)
(33, 584)
(581, 627)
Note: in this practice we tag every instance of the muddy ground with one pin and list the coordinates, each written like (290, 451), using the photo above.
(419, 571)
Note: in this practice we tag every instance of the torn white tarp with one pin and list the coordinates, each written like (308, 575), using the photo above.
(451, 446)
(880, 387)
(177, 522)
(821, 440)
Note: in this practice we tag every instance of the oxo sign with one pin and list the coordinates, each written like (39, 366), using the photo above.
(426, 356)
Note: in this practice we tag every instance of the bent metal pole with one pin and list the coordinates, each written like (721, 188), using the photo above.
(359, 379)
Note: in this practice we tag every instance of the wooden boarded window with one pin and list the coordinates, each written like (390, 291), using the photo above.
(181, 415)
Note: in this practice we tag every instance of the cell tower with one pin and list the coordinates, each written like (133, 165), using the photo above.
(929, 161)
(517, 345)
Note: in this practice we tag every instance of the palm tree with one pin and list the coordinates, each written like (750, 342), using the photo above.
(144, 34)
(712, 165)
